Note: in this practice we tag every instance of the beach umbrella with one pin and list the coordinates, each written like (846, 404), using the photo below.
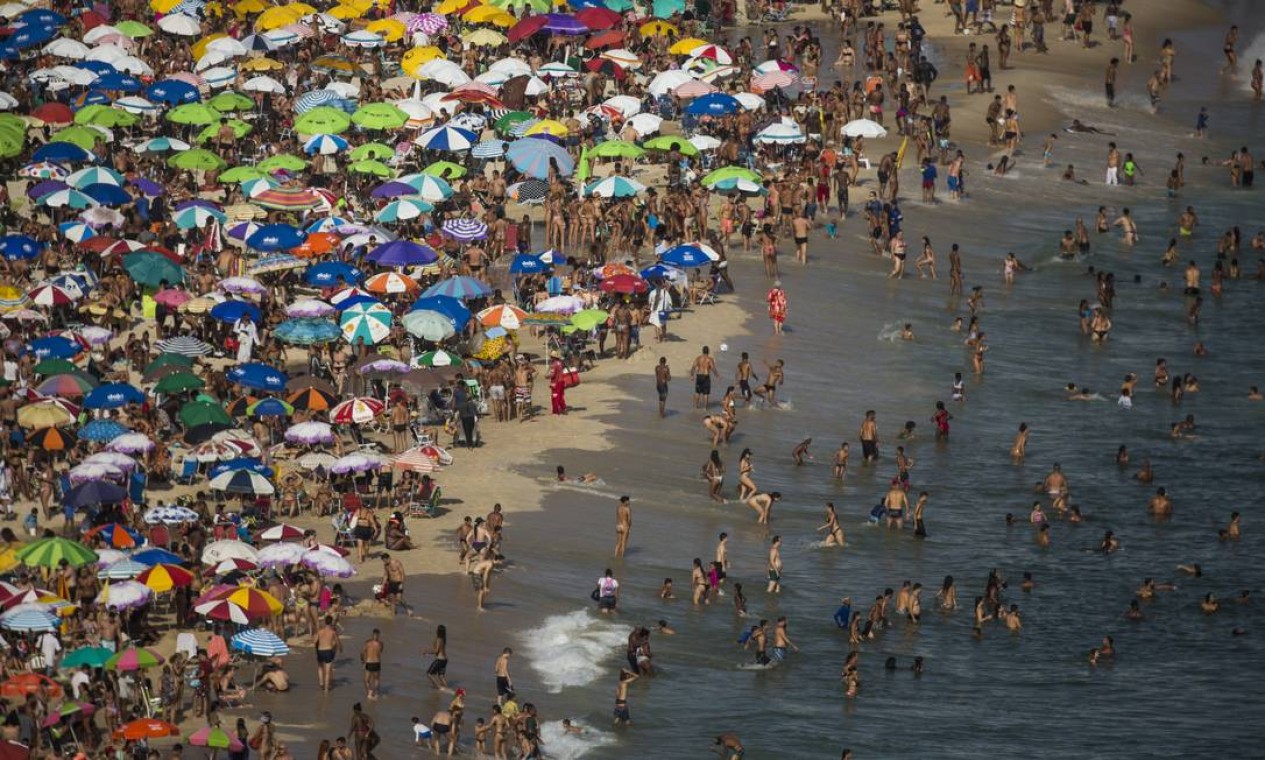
(242, 605)
(117, 535)
(780, 134)
(122, 570)
(16, 247)
(217, 738)
(98, 472)
(162, 578)
(391, 282)
(615, 187)
(379, 116)
(142, 729)
(260, 642)
(589, 318)
(243, 482)
(309, 308)
(625, 284)
(52, 295)
(42, 414)
(402, 253)
(93, 657)
(51, 439)
(439, 358)
(371, 168)
(92, 493)
(134, 658)
(183, 345)
(178, 382)
(201, 160)
(276, 237)
(310, 433)
(358, 410)
(429, 325)
(427, 186)
(465, 230)
(228, 549)
(230, 312)
(26, 618)
(49, 552)
(197, 413)
(270, 407)
(131, 443)
(101, 430)
(327, 564)
(864, 128)
(113, 396)
(257, 375)
(307, 331)
(533, 157)
(281, 532)
(313, 399)
(450, 307)
(155, 556)
(460, 287)
(323, 120)
(447, 138)
(152, 269)
(402, 209)
(366, 324)
(357, 462)
(169, 515)
(416, 460)
(326, 145)
(525, 263)
(280, 555)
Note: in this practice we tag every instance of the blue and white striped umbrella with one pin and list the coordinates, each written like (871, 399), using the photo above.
(68, 197)
(447, 138)
(75, 232)
(309, 100)
(614, 187)
(532, 155)
(329, 224)
(465, 230)
(489, 149)
(161, 145)
(123, 570)
(402, 209)
(428, 186)
(29, 617)
(520, 128)
(460, 287)
(466, 120)
(260, 643)
(198, 216)
(326, 145)
(95, 175)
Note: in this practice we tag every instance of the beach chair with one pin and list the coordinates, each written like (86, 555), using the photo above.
(430, 508)
(342, 531)
(188, 471)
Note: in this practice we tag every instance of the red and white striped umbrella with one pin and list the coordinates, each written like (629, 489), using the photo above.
(415, 460)
(50, 295)
(357, 411)
(771, 80)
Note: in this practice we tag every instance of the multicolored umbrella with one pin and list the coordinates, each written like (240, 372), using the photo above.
(49, 552)
(366, 324)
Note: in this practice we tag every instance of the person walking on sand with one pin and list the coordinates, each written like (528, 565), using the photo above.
(623, 525)
(777, 306)
(662, 376)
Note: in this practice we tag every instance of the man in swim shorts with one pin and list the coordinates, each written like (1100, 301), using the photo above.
(371, 657)
(327, 647)
(703, 368)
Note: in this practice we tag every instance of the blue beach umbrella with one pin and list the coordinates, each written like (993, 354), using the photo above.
(525, 263)
(54, 347)
(270, 407)
(276, 237)
(402, 253)
(402, 209)
(62, 152)
(453, 139)
(231, 311)
(531, 156)
(260, 642)
(100, 68)
(242, 463)
(259, 376)
(107, 195)
(365, 323)
(119, 82)
(102, 430)
(714, 104)
(326, 145)
(460, 287)
(156, 556)
(307, 332)
(30, 36)
(92, 493)
(112, 396)
(90, 98)
(456, 311)
(95, 175)
(686, 256)
(198, 216)
(328, 273)
(15, 247)
(355, 299)
(172, 92)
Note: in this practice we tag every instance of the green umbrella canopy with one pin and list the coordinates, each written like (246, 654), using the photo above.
(105, 116)
(239, 127)
(375, 168)
(241, 174)
(11, 145)
(323, 120)
(589, 318)
(49, 552)
(507, 122)
(290, 163)
(731, 172)
(198, 159)
(84, 136)
(93, 657)
(372, 150)
(379, 116)
(50, 367)
(194, 113)
(617, 149)
(149, 268)
(445, 169)
(231, 101)
(179, 381)
(197, 413)
(133, 29)
(166, 360)
(671, 142)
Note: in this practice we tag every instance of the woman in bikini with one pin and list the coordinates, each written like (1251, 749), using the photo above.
(746, 486)
(714, 472)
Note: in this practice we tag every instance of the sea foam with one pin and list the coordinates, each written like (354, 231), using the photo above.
(573, 649)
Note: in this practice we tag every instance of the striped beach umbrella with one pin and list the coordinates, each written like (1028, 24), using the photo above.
(357, 410)
(122, 570)
(391, 282)
(184, 345)
(459, 287)
(133, 659)
(492, 148)
(445, 138)
(260, 642)
(402, 209)
(49, 552)
(428, 186)
(29, 618)
(309, 100)
(532, 156)
(240, 605)
(615, 187)
(415, 460)
(366, 323)
(465, 230)
(326, 145)
(162, 578)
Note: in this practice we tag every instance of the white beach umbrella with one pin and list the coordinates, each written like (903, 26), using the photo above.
(443, 71)
(666, 81)
(64, 47)
(264, 84)
(512, 67)
(864, 128)
(180, 24)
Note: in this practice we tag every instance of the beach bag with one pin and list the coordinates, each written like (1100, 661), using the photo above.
(596, 595)
(570, 377)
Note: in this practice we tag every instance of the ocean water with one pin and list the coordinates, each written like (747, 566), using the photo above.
(1180, 685)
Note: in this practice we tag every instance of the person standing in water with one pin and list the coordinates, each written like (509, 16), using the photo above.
(775, 565)
(869, 437)
(622, 716)
(438, 670)
(703, 369)
(662, 376)
(371, 657)
(623, 525)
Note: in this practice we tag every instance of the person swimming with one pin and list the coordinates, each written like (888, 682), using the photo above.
(1076, 127)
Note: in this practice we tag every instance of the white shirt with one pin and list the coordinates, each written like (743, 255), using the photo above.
(607, 585)
(1125, 402)
(49, 646)
(78, 682)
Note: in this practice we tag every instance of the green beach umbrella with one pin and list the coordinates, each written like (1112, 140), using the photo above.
(197, 413)
(194, 113)
(11, 145)
(671, 142)
(49, 552)
(323, 120)
(50, 367)
(149, 268)
(617, 149)
(375, 168)
(239, 127)
(379, 116)
(445, 169)
(507, 122)
(167, 360)
(133, 29)
(105, 116)
(179, 381)
(93, 657)
(241, 174)
(290, 163)
(731, 172)
(588, 319)
(198, 159)
(83, 136)
(372, 150)
(231, 101)
(540, 6)
(133, 659)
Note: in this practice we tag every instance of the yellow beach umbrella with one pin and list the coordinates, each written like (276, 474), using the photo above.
(164, 6)
(683, 47)
(390, 29)
(419, 56)
(481, 13)
(261, 64)
(247, 7)
(345, 12)
(658, 28)
(303, 9)
(199, 47)
(548, 127)
(275, 18)
(484, 38)
(451, 6)
(9, 558)
(364, 6)
(213, 10)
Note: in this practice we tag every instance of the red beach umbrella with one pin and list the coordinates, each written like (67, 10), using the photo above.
(520, 31)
